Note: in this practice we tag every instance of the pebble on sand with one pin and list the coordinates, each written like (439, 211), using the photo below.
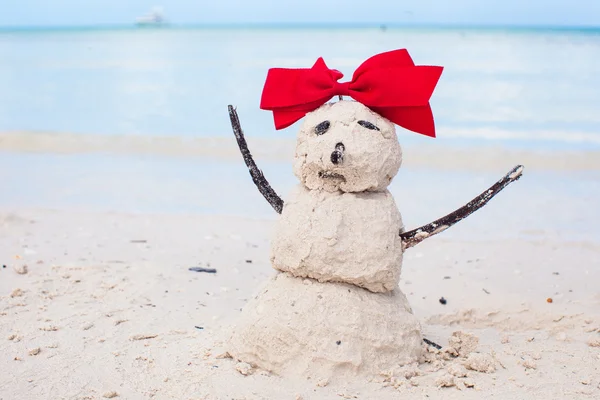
(87, 326)
(244, 368)
(480, 362)
(142, 337)
(21, 269)
(35, 352)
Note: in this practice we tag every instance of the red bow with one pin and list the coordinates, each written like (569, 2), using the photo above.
(388, 83)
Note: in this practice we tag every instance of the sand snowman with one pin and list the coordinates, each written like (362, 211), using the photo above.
(334, 308)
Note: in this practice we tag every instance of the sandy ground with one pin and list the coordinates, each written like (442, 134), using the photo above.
(107, 308)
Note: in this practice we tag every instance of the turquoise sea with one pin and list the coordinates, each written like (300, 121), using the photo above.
(533, 88)
(525, 89)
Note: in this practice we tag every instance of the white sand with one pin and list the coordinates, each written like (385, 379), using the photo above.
(99, 315)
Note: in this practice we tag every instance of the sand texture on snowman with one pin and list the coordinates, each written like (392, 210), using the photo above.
(334, 309)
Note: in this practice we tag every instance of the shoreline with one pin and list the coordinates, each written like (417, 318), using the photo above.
(489, 156)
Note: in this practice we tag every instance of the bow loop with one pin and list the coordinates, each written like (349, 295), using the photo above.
(388, 83)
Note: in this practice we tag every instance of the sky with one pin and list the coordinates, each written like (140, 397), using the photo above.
(427, 12)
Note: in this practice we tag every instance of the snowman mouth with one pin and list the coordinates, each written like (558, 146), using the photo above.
(331, 175)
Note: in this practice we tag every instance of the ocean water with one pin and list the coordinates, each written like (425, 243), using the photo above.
(522, 88)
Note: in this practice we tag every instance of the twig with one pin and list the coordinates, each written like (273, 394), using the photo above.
(411, 238)
(433, 344)
(257, 176)
(200, 269)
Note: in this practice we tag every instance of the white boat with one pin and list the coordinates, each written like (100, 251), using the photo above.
(153, 18)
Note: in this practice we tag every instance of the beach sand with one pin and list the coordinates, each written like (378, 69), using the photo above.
(107, 308)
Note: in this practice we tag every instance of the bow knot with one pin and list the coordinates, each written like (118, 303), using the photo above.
(341, 88)
(389, 83)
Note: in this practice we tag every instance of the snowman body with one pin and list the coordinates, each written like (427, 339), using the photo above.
(334, 309)
(340, 237)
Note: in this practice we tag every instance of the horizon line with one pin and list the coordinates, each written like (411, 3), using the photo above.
(305, 25)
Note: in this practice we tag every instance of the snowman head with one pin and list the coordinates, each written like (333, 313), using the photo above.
(344, 146)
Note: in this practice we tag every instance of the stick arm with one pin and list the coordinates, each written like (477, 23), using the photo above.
(416, 236)
(257, 176)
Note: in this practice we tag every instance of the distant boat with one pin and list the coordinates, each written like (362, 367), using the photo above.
(153, 18)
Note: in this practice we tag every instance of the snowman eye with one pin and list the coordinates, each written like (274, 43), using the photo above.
(368, 125)
(322, 127)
